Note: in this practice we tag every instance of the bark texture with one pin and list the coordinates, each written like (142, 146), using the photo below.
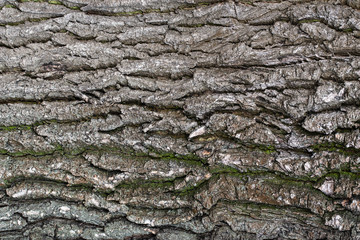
(179, 119)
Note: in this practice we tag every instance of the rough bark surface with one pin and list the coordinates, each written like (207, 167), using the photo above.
(179, 119)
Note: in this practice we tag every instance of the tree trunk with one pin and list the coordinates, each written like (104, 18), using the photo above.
(180, 119)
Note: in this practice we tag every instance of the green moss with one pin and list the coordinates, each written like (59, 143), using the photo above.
(290, 182)
(260, 206)
(336, 147)
(104, 192)
(253, 174)
(17, 179)
(13, 128)
(75, 151)
(9, 6)
(135, 12)
(125, 152)
(338, 174)
(348, 30)
(328, 146)
(343, 130)
(164, 185)
(193, 189)
(12, 180)
(222, 169)
(15, 23)
(187, 191)
(333, 175)
(6, 182)
(192, 25)
(38, 123)
(187, 7)
(159, 185)
(268, 149)
(351, 175)
(190, 159)
(75, 8)
(30, 152)
(55, 2)
(28, 127)
(57, 149)
(309, 20)
(3, 151)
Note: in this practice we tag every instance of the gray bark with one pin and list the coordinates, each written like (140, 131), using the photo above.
(179, 119)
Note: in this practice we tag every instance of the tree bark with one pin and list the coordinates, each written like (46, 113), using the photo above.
(181, 119)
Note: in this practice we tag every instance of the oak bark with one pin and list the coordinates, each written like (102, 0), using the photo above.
(181, 119)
